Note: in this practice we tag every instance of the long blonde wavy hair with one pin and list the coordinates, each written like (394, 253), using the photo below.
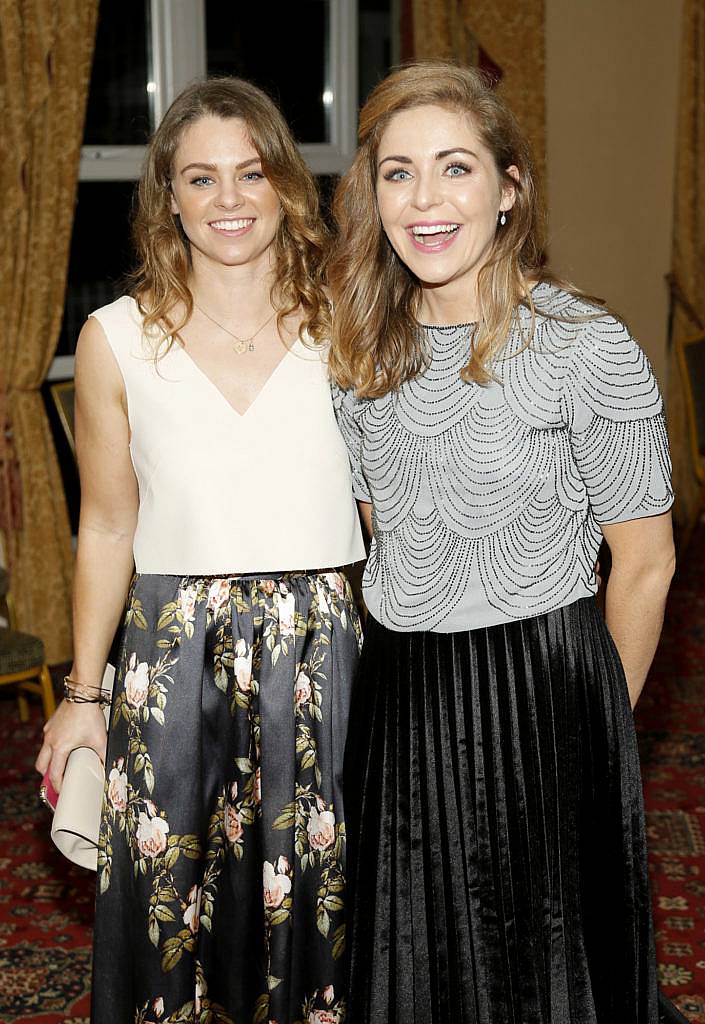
(375, 338)
(160, 281)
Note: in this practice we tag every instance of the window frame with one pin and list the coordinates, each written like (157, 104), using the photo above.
(177, 56)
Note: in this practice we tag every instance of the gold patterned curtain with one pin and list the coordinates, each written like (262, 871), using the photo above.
(440, 30)
(688, 262)
(46, 48)
(506, 35)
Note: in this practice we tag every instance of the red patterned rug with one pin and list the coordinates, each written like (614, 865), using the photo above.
(46, 905)
(671, 723)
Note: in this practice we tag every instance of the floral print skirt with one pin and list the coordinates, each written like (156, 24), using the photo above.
(221, 861)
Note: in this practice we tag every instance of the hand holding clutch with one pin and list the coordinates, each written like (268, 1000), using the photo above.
(77, 807)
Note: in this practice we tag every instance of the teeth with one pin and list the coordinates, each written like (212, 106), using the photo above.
(231, 225)
(434, 229)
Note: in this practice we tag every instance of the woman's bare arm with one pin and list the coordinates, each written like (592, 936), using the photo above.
(365, 508)
(104, 562)
(643, 561)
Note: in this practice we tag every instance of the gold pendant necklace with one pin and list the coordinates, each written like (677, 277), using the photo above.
(241, 344)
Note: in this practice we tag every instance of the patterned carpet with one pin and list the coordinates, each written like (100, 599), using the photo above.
(671, 722)
(46, 905)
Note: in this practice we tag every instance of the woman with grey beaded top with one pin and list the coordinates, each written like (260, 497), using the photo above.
(211, 461)
(500, 423)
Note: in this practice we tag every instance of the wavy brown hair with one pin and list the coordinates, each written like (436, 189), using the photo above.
(375, 335)
(160, 281)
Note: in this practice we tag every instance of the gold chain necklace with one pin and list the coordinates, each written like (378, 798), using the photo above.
(241, 344)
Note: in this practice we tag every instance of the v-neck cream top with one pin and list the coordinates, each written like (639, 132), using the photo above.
(223, 492)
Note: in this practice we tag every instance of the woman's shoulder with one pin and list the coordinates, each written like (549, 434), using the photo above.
(578, 328)
(579, 352)
(605, 368)
(348, 407)
(554, 302)
(121, 323)
(124, 311)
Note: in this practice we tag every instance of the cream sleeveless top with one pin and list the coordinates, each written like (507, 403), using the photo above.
(221, 492)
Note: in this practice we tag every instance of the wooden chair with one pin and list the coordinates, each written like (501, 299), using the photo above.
(22, 661)
(63, 395)
(691, 361)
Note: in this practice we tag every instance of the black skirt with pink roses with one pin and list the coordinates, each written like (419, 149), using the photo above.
(221, 863)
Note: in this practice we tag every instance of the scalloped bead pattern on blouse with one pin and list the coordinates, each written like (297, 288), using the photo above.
(488, 500)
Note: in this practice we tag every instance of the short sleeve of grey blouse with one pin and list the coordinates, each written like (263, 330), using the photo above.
(488, 500)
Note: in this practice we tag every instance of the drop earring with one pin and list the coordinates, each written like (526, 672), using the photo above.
(503, 219)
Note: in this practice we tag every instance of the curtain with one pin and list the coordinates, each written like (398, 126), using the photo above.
(440, 30)
(511, 33)
(504, 36)
(46, 49)
(688, 261)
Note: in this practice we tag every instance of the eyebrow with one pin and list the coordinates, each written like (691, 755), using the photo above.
(212, 167)
(441, 155)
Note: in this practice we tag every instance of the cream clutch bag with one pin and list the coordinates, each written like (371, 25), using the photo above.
(74, 828)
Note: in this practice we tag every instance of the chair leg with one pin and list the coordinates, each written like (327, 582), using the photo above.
(48, 701)
(23, 705)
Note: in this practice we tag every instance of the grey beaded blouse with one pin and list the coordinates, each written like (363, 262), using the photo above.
(488, 499)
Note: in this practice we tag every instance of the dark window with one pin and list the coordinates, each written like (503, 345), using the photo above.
(101, 253)
(119, 108)
(375, 42)
(283, 48)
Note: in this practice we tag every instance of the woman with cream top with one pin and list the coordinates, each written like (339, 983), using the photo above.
(210, 456)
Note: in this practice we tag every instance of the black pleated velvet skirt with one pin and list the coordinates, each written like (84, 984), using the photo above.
(496, 845)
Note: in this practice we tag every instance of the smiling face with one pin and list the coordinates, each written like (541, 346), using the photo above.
(229, 211)
(439, 197)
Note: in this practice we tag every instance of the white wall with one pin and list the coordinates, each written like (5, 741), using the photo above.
(611, 94)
